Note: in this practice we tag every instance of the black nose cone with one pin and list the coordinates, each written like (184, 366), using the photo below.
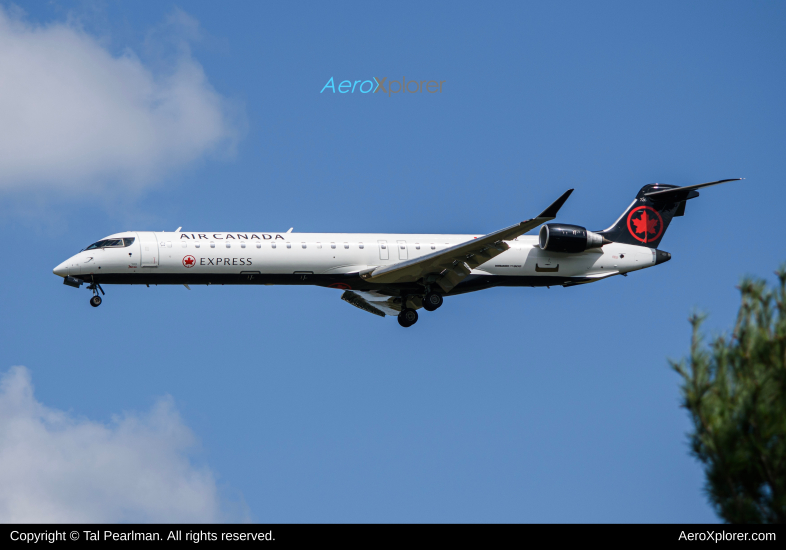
(661, 256)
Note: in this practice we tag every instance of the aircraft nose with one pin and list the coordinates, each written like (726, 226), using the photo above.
(61, 270)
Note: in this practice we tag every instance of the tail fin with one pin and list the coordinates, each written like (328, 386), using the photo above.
(645, 221)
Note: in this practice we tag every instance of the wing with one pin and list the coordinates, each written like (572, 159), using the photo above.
(373, 302)
(448, 267)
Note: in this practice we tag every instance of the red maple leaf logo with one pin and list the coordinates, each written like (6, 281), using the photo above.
(648, 223)
(645, 223)
(189, 261)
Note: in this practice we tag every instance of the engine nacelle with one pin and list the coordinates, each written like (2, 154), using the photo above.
(558, 237)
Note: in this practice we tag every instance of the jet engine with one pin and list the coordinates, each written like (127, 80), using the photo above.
(569, 238)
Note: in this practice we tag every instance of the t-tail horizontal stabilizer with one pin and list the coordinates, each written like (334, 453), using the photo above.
(682, 193)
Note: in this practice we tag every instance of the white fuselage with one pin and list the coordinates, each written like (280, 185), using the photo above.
(324, 258)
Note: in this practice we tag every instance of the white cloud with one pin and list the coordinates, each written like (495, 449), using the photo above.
(75, 117)
(55, 467)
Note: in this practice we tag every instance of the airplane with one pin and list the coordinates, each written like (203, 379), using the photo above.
(391, 274)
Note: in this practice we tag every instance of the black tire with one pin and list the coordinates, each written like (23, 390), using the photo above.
(95, 301)
(407, 317)
(432, 301)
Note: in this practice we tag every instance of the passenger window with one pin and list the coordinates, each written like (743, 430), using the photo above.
(243, 244)
(196, 245)
(319, 245)
(303, 245)
(346, 245)
(332, 245)
(289, 245)
(417, 246)
(273, 244)
(228, 245)
(212, 244)
(384, 246)
(360, 245)
(259, 245)
(433, 247)
(184, 245)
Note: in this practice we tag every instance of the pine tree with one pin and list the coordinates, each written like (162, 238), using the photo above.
(735, 392)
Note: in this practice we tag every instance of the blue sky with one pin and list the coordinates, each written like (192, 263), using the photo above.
(509, 405)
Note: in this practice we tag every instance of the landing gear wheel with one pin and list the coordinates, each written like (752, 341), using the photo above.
(407, 317)
(432, 301)
(95, 301)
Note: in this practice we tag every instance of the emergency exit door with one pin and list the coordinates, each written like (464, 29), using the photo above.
(383, 250)
(402, 250)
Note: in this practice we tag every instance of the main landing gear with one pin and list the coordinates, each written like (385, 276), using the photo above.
(95, 301)
(432, 301)
(408, 317)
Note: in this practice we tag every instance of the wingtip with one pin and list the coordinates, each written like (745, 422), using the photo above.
(551, 211)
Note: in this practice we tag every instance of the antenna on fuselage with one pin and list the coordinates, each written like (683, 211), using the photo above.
(178, 229)
(290, 230)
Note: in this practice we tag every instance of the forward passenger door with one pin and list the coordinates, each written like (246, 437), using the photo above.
(148, 244)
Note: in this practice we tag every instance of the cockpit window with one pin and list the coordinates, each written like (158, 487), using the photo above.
(111, 243)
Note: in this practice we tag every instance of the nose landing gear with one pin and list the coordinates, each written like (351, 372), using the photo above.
(95, 301)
